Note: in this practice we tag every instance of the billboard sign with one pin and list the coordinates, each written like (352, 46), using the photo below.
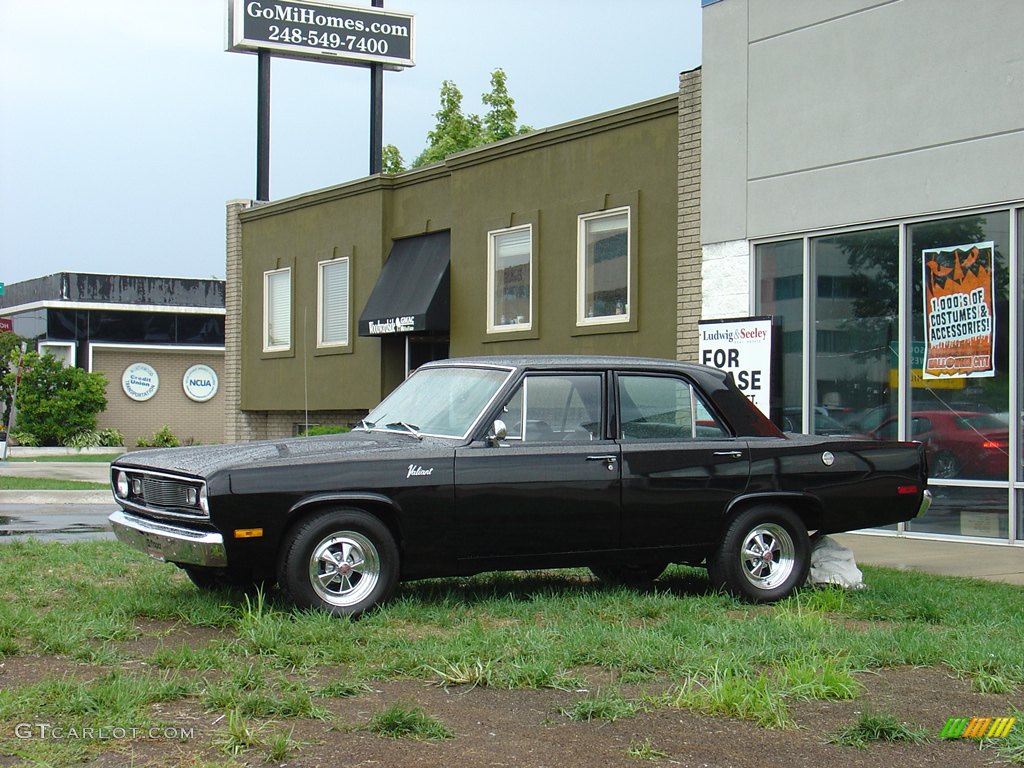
(6, 325)
(959, 311)
(321, 31)
(743, 347)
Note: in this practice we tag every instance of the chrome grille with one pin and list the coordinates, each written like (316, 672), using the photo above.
(161, 492)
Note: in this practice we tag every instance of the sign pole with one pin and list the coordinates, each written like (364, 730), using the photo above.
(376, 112)
(263, 127)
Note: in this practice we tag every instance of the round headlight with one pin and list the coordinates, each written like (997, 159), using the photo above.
(121, 485)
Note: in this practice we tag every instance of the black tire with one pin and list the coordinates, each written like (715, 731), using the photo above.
(215, 579)
(341, 560)
(636, 576)
(204, 578)
(763, 556)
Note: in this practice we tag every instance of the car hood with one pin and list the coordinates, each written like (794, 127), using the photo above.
(207, 460)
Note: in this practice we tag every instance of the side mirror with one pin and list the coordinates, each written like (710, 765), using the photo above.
(498, 433)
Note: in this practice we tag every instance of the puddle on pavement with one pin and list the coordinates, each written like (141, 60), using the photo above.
(56, 526)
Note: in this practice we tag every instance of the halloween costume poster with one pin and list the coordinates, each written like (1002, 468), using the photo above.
(959, 311)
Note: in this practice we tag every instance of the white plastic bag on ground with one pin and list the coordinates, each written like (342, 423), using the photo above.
(832, 563)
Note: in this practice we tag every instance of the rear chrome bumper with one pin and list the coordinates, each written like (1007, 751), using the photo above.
(926, 502)
(170, 543)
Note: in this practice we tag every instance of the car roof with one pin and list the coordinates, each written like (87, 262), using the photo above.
(542, 362)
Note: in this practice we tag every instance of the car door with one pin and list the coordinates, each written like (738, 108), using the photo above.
(680, 465)
(552, 485)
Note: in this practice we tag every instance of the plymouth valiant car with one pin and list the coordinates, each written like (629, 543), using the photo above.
(622, 465)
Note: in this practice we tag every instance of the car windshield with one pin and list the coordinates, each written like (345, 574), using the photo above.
(440, 402)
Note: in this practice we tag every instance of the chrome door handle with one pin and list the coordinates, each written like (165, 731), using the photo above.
(609, 458)
(734, 454)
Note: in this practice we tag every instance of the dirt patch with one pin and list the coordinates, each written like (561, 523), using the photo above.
(525, 728)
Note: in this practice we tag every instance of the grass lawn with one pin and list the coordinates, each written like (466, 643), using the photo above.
(257, 660)
(13, 483)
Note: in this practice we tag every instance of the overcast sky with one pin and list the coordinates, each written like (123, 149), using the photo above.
(125, 127)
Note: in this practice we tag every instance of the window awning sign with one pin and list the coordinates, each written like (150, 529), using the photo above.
(413, 291)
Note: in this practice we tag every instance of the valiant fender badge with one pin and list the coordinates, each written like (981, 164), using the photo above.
(828, 458)
(415, 470)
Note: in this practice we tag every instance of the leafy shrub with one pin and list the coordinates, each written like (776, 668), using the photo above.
(162, 438)
(111, 437)
(25, 439)
(56, 402)
(324, 429)
(89, 438)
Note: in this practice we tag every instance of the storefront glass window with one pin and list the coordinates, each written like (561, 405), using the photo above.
(955, 511)
(856, 341)
(960, 269)
(780, 292)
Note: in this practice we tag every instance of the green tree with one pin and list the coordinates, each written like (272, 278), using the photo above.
(391, 160)
(456, 131)
(500, 120)
(10, 348)
(55, 402)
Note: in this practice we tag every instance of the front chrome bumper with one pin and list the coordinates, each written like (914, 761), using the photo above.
(169, 543)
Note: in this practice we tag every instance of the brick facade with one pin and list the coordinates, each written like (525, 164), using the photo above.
(688, 255)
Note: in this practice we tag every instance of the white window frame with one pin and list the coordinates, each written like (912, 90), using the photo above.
(267, 277)
(492, 236)
(581, 269)
(320, 301)
(65, 351)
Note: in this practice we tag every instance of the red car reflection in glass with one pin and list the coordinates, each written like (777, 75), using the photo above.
(959, 444)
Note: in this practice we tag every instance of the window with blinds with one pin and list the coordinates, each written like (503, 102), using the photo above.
(509, 279)
(603, 289)
(277, 310)
(332, 303)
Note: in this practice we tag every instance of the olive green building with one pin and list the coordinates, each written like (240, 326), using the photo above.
(563, 240)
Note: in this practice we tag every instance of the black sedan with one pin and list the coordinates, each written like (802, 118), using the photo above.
(623, 465)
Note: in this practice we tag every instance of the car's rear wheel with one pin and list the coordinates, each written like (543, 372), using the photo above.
(341, 560)
(763, 556)
(945, 464)
(631, 575)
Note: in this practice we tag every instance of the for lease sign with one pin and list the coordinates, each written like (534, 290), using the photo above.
(743, 347)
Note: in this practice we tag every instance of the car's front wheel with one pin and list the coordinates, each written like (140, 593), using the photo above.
(343, 561)
(211, 579)
(763, 556)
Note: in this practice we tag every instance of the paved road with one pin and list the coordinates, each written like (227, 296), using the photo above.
(56, 515)
(93, 472)
(55, 522)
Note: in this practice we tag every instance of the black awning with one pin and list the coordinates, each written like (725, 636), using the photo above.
(413, 292)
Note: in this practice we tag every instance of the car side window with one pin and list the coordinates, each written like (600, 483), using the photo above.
(663, 408)
(555, 408)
